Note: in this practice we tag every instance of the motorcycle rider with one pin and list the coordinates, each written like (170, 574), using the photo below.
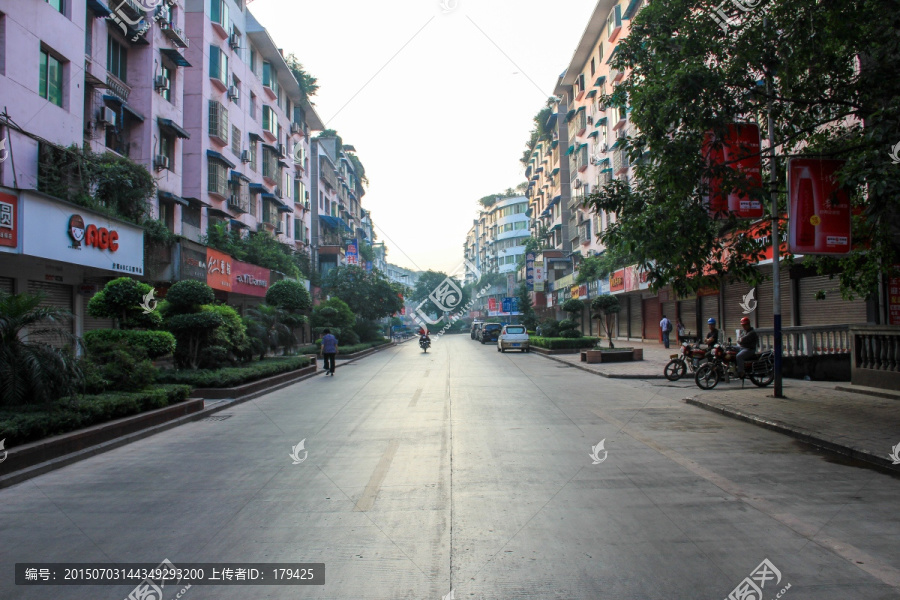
(423, 336)
(748, 342)
(712, 336)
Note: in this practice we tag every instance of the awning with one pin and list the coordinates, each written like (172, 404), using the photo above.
(332, 222)
(197, 202)
(100, 9)
(632, 7)
(239, 175)
(570, 150)
(219, 157)
(555, 200)
(580, 109)
(173, 198)
(600, 122)
(539, 170)
(285, 209)
(215, 212)
(124, 105)
(554, 172)
(580, 147)
(175, 56)
(173, 127)
(551, 121)
(594, 133)
(570, 115)
(554, 144)
(615, 51)
(556, 226)
(272, 148)
(239, 224)
(255, 137)
(600, 81)
(592, 93)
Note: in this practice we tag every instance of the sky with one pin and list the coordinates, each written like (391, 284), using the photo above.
(437, 96)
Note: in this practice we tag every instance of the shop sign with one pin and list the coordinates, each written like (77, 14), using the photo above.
(617, 281)
(218, 270)
(54, 230)
(819, 219)
(8, 226)
(894, 298)
(250, 280)
(740, 150)
(193, 263)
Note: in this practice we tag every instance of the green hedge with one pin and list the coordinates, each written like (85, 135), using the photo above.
(27, 424)
(349, 349)
(563, 343)
(234, 376)
(156, 343)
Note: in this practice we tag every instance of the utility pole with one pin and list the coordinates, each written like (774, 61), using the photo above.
(776, 238)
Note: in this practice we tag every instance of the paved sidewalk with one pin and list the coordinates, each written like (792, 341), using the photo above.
(655, 359)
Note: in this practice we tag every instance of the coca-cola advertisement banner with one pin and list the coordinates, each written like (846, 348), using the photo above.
(249, 280)
(819, 214)
(740, 150)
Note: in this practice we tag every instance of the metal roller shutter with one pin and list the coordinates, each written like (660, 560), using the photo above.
(635, 321)
(55, 294)
(687, 309)
(766, 303)
(652, 317)
(832, 310)
(709, 307)
(734, 296)
(669, 309)
(91, 323)
(7, 284)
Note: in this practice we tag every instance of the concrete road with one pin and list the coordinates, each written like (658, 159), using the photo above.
(469, 470)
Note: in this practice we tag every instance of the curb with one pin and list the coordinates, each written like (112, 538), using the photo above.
(19, 476)
(803, 435)
(600, 373)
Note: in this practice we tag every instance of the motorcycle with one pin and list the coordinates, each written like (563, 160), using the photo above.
(722, 365)
(424, 343)
(692, 356)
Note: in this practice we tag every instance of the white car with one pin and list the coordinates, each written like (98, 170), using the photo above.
(513, 337)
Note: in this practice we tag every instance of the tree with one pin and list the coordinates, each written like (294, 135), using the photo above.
(289, 295)
(540, 132)
(833, 93)
(435, 284)
(529, 317)
(308, 84)
(122, 300)
(186, 319)
(605, 308)
(33, 371)
(334, 314)
(369, 294)
(267, 326)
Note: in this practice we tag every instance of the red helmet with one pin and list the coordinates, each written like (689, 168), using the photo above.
(745, 321)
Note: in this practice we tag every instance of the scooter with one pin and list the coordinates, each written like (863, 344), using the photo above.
(691, 357)
(722, 365)
(424, 343)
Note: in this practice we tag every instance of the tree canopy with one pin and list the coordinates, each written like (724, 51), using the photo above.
(834, 90)
(368, 293)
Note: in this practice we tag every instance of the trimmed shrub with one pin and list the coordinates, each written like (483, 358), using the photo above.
(570, 333)
(154, 343)
(233, 376)
(188, 295)
(232, 335)
(28, 424)
(121, 299)
(549, 328)
(117, 366)
(289, 295)
(563, 343)
(567, 324)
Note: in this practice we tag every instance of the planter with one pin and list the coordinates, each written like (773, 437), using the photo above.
(612, 355)
(592, 356)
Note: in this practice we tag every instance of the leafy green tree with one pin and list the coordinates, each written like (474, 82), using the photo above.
(833, 93)
(121, 299)
(232, 335)
(290, 295)
(334, 314)
(605, 308)
(529, 317)
(32, 371)
(430, 282)
(308, 84)
(188, 321)
(268, 326)
(369, 294)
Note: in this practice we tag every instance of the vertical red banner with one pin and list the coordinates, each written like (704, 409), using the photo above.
(894, 298)
(819, 209)
(8, 224)
(740, 150)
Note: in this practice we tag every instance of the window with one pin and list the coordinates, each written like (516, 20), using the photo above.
(593, 67)
(298, 230)
(58, 5)
(116, 58)
(236, 83)
(252, 106)
(218, 121)
(270, 164)
(169, 74)
(167, 148)
(218, 64)
(167, 215)
(235, 140)
(51, 78)
(219, 13)
(270, 77)
(218, 178)
(253, 156)
(253, 61)
(269, 120)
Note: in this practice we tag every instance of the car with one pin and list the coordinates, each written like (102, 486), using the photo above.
(513, 337)
(489, 332)
(475, 327)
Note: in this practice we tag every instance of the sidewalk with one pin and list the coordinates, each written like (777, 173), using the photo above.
(825, 414)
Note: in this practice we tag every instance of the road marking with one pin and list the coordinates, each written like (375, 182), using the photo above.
(415, 398)
(374, 486)
(851, 554)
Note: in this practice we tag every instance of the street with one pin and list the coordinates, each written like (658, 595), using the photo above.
(470, 471)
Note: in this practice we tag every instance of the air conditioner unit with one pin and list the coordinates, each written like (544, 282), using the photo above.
(245, 156)
(590, 120)
(277, 191)
(234, 41)
(108, 116)
(576, 184)
(161, 162)
(234, 93)
(282, 151)
(604, 147)
(161, 82)
(296, 128)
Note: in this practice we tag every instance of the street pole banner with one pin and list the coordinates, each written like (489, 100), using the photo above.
(529, 270)
(353, 252)
(819, 209)
(894, 298)
(740, 150)
(540, 276)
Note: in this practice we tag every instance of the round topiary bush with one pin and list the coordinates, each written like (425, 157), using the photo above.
(570, 333)
(189, 295)
(289, 295)
(154, 343)
(566, 325)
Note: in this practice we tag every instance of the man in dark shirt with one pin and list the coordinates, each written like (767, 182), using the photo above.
(329, 351)
(712, 336)
(748, 342)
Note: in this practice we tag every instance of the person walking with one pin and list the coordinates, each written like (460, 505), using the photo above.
(679, 327)
(329, 351)
(748, 342)
(665, 325)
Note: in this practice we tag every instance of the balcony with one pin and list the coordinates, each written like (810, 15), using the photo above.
(177, 37)
(620, 161)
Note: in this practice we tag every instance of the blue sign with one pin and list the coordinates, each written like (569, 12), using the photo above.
(352, 254)
(507, 304)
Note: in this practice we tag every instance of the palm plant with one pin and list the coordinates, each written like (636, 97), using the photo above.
(267, 326)
(34, 371)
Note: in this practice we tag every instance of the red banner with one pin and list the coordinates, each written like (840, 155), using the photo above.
(819, 219)
(894, 299)
(218, 270)
(740, 150)
(250, 280)
(492, 304)
(8, 231)
(617, 281)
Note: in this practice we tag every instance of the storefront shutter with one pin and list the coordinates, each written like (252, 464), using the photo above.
(709, 308)
(635, 321)
(832, 310)
(91, 323)
(55, 294)
(733, 313)
(669, 309)
(766, 304)
(7, 284)
(652, 317)
(688, 311)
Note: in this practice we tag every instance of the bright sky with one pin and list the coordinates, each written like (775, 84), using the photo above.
(438, 103)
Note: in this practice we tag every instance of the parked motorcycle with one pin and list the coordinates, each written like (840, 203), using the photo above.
(424, 344)
(722, 365)
(691, 357)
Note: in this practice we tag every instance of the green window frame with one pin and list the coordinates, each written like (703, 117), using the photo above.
(218, 13)
(116, 58)
(59, 5)
(218, 64)
(50, 83)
